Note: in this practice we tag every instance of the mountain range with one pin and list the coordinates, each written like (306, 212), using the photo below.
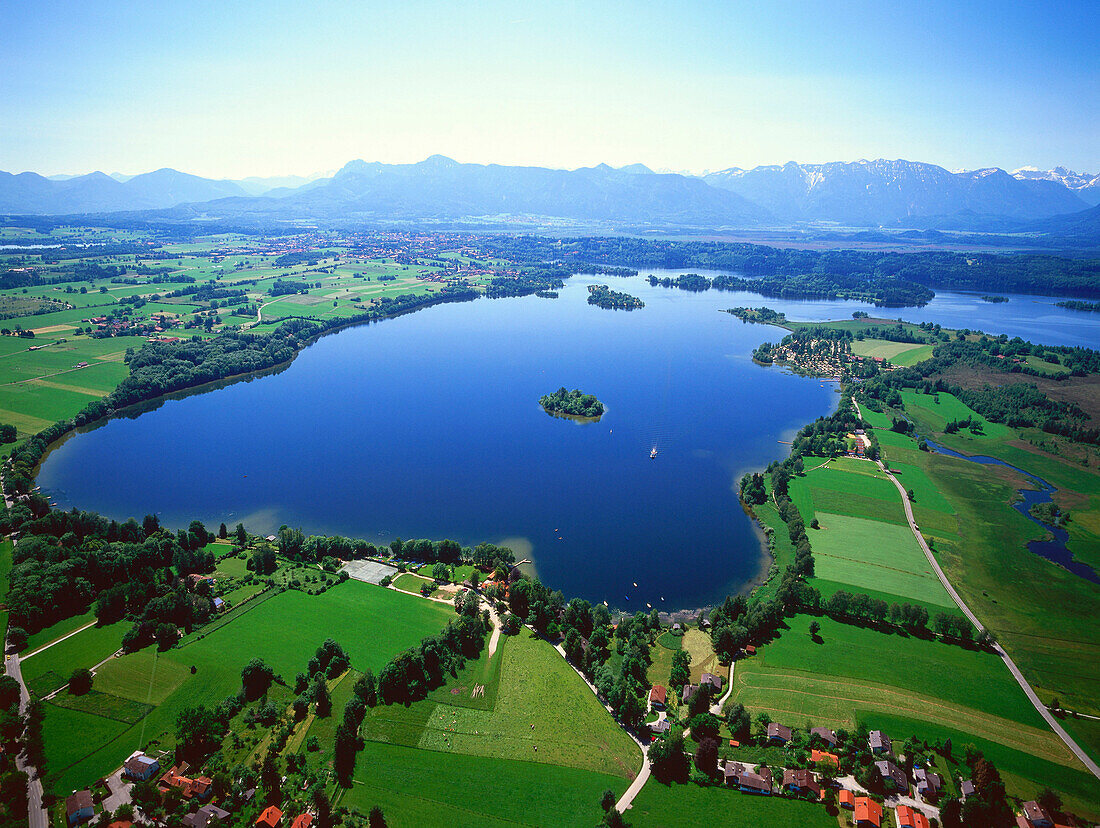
(881, 193)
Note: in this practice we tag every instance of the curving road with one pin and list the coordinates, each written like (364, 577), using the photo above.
(1055, 725)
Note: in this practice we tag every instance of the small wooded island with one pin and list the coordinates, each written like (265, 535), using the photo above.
(605, 297)
(573, 403)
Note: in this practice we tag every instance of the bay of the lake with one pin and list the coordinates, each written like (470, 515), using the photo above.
(428, 425)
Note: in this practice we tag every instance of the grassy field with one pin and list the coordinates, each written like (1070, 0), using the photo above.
(61, 628)
(899, 353)
(542, 712)
(371, 624)
(691, 805)
(938, 409)
(50, 669)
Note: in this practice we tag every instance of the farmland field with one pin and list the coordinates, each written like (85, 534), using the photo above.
(42, 671)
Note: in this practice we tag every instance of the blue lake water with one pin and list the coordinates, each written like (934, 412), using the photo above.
(429, 426)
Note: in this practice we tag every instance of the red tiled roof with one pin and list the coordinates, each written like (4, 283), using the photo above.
(657, 694)
(869, 811)
(847, 798)
(302, 821)
(270, 817)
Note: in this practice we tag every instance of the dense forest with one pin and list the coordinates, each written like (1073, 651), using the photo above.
(574, 403)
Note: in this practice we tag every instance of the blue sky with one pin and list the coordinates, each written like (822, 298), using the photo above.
(234, 89)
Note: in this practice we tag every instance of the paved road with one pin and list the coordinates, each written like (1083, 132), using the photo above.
(1086, 760)
(37, 816)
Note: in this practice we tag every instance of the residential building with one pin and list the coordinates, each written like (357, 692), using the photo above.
(1036, 816)
(712, 680)
(140, 767)
(732, 773)
(658, 695)
(879, 742)
(825, 735)
(689, 691)
(893, 777)
(272, 817)
(79, 807)
(911, 818)
(929, 784)
(868, 813)
(966, 788)
(800, 781)
(205, 816)
(302, 821)
(779, 733)
(753, 782)
(846, 798)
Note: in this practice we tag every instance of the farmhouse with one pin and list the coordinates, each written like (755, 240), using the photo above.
(911, 818)
(825, 735)
(868, 813)
(140, 767)
(658, 695)
(800, 781)
(78, 807)
(779, 733)
(892, 776)
(879, 742)
(1035, 816)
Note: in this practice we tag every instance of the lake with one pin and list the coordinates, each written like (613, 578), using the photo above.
(428, 425)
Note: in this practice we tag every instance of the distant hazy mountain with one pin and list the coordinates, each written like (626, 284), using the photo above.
(261, 186)
(893, 193)
(442, 189)
(1085, 185)
(32, 194)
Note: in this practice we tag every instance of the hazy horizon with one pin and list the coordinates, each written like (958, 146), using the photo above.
(230, 92)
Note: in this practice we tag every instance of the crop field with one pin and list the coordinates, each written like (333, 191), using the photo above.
(874, 555)
(371, 624)
(691, 805)
(415, 788)
(543, 713)
(107, 705)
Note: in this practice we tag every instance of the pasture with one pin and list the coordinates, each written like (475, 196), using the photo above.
(936, 410)
(899, 353)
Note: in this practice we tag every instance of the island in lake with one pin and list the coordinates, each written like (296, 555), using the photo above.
(573, 403)
(603, 296)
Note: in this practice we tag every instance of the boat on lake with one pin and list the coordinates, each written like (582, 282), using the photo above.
(653, 453)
